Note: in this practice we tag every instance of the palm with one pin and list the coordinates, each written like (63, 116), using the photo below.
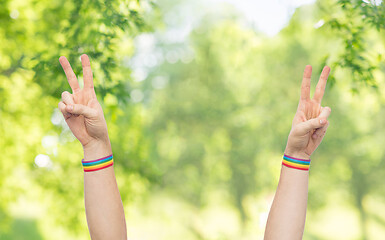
(77, 123)
(84, 129)
(309, 109)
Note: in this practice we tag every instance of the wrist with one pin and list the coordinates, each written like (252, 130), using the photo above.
(296, 162)
(296, 154)
(96, 149)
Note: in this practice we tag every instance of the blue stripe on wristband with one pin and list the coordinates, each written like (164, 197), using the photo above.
(97, 162)
(296, 160)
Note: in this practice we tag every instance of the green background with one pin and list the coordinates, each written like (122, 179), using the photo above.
(198, 123)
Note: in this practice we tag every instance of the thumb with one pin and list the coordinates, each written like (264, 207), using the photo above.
(81, 110)
(314, 123)
(305, 127)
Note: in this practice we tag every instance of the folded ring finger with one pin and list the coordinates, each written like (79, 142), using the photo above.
(68, 99)
(62, 108)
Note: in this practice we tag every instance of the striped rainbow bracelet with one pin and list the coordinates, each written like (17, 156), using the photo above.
(296, 163)
(98, 164)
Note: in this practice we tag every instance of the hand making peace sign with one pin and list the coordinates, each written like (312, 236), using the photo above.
(310, 122)
(81, 109)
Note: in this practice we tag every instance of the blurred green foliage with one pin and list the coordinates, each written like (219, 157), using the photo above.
(197, 125)
(359, 24)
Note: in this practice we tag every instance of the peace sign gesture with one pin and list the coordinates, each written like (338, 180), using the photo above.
(81, 109)
(310, 121)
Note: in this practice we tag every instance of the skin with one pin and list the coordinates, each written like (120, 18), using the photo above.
(84, 116)
(104, 209)
(288, 212)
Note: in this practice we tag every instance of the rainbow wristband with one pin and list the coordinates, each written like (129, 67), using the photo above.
(98, 164)
(296, 163)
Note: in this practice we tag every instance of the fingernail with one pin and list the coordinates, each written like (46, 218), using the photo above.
(321, 121)
(70, 107)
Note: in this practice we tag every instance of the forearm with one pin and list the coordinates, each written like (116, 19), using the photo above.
(288, 212)
(104, 209)
(84, 116)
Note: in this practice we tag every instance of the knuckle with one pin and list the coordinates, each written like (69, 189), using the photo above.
(62, 110)
(64, 94)
(76, 90)
(61, 105)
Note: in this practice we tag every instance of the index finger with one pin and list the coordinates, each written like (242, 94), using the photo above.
(87, 72)
(320, 89)
(305, 87)
(71, 77)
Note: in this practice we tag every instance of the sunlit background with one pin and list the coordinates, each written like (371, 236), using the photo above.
(199, 96)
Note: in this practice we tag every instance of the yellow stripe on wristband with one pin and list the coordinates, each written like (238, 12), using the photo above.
(99, 166)
(295, 164)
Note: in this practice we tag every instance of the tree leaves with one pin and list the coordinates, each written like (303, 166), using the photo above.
(354, 25)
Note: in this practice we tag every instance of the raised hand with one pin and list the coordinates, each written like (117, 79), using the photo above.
(310, 122)
(84, 116)
(81, 109)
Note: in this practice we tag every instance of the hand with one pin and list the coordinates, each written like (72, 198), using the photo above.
(310, 122)
(81, 109)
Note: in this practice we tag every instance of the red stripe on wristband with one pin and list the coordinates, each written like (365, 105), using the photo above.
(304, 169)
(97, 169)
